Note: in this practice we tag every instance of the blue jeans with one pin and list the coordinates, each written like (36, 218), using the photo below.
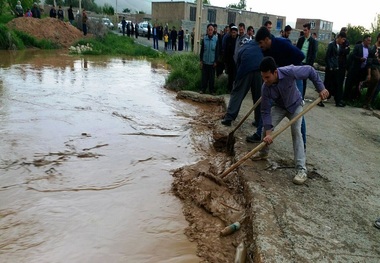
(299, 83)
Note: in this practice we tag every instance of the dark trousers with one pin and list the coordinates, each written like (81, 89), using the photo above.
(84, 29)
(155, 42)
(208, 78)
(332, 85)
(351, 89)
(231, 71)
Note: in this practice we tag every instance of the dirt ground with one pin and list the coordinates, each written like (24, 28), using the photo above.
(55, 30)
(337, 204)
(343, 170)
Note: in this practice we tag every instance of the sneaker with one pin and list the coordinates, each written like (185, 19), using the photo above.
(300, 177)
(259, 156)
(377, 223)
(226, 122)
(253, 138)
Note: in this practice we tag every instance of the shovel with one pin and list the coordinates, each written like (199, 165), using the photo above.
(274, 135)
(231, 138)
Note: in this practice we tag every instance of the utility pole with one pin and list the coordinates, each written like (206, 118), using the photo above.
(198, 26)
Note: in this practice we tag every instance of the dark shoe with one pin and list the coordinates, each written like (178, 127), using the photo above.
(340, 104)
(226, 122)
(254, 123)
(321, 104)
(255, 138)
(377, 223)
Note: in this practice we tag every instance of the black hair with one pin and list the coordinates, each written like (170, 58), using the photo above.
(262, 33)
(242, 25)
(268, 64)
(268, 22)
(307, 25)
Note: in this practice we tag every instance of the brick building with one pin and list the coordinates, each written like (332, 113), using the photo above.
(323, 28)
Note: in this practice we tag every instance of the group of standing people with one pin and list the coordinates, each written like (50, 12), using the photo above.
(275, 70)
(32, 12)
(131, 29)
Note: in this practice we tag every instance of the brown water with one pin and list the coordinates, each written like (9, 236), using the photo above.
(87, 146)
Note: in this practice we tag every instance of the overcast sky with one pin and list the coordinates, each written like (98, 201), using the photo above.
(340, 13)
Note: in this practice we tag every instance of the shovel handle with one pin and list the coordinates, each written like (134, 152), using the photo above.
(274, 135)
(247, 115)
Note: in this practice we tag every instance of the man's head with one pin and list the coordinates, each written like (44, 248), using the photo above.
(341, 38)
(263, 37)
(268, 24)
(306, 30)
(215, 28)
(367, 40)
(210, 30)
(234, 31)
(268, 69)
(250, 31)
(241, 29)
(288, 29)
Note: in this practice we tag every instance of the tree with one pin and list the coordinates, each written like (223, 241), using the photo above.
(205, 2)
(108, 9)
(356, 33)
(25, 4)
(241, 5)
(126, 10)
(140, 12)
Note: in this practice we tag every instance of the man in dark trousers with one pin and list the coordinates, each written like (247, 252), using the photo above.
(208, 58)
(228, 55)
(247, 77)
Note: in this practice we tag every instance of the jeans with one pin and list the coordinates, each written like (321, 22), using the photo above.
(299, 83)
(155, 42)
(278, 114)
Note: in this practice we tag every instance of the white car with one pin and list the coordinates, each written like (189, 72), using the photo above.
(107, 22)
(143, 28)
(120, 27)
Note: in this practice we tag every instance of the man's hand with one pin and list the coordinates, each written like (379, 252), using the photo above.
(268, 137)
(324, 94)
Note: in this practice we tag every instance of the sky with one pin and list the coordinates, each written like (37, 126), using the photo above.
(338, 12)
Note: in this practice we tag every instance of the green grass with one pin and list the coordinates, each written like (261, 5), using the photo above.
(113, 44)
(185, 74)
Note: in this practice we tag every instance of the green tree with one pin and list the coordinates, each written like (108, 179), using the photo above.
(3, 6)
(241, 5)
(356, 33)
(206, 2)
(108, 9)
(25, 4)
(126, 10)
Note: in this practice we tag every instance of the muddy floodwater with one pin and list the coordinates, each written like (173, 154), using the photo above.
(87, 149)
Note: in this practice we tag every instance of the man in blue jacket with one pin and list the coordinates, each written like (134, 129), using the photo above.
(208, 60)
(247, 77)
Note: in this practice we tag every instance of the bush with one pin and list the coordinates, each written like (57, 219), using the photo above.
(185, 74)
(112, 44)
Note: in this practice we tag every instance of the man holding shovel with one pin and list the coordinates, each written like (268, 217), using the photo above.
(281, 98)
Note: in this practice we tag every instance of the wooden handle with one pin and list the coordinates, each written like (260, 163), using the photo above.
(247, 115)
(274, 135)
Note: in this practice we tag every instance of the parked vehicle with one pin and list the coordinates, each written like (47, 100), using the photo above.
(107, 22)
(143, 28)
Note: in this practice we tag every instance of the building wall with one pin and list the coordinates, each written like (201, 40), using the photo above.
(180, 14)
(323, 28)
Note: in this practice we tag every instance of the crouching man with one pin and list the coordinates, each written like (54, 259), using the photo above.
(281, 98)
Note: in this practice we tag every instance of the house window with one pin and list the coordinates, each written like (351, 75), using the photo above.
(279, 24)
(312, 24)
(231, 17)
(265, 18)
(211, 15)
(193, 13)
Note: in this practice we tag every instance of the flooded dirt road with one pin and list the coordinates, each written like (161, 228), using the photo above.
(87, 149)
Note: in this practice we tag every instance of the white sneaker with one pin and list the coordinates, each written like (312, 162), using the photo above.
(300, 177)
